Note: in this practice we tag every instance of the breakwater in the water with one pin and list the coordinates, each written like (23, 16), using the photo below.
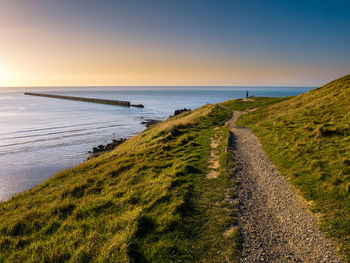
(93, 100)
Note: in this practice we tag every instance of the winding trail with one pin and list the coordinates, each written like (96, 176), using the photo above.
(274, 222)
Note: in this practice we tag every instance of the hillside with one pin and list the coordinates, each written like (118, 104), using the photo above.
(149, 200)
(167, 194)
(308, 138)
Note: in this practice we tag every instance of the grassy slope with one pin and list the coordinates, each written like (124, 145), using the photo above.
(308, 138)
(147, 201)
(252, 103)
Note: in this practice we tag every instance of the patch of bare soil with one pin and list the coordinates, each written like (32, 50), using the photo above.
(213, 160)
(249, 99)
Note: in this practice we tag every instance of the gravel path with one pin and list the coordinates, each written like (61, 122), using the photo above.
(275, 224)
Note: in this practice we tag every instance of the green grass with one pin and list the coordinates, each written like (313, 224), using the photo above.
(308, 138)
(146, 201)
(149, 200)
(251, 103)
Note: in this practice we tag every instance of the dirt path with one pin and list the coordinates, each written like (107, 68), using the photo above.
(274, 222)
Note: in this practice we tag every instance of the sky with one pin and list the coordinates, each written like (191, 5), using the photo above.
(173, 42)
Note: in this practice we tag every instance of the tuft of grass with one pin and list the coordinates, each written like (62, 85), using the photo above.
(308, 138)
(146, 201)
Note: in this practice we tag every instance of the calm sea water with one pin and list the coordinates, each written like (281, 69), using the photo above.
(41, 136)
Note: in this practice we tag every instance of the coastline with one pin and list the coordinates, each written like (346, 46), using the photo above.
(163, 177)
(148, 122)
(46, 172)
(145, 180)
(62, 136)
(103, 148)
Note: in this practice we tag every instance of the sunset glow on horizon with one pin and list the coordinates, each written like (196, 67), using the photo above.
(78, 43)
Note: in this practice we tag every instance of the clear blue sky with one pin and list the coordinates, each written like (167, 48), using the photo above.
(177, 42)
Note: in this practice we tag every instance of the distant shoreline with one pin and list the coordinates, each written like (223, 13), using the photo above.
(50, 133)
(103, 148)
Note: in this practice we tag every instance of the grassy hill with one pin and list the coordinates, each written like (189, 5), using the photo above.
(308, 138)
(147, 201)
(150, 200)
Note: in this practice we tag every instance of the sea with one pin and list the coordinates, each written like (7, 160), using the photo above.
(41, 136)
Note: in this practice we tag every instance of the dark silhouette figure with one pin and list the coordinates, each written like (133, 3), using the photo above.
(246, 95)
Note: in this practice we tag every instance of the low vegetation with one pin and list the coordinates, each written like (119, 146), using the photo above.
(308, 138)
(149, 200)
(251, 103)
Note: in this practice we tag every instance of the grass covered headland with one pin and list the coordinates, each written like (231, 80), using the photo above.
(160, 196)
(149, 200)
(308, 138)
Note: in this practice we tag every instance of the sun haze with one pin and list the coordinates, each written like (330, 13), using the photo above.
(57, 43)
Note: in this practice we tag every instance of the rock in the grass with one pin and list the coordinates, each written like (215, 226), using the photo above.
(104, 148)
(177, 112)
